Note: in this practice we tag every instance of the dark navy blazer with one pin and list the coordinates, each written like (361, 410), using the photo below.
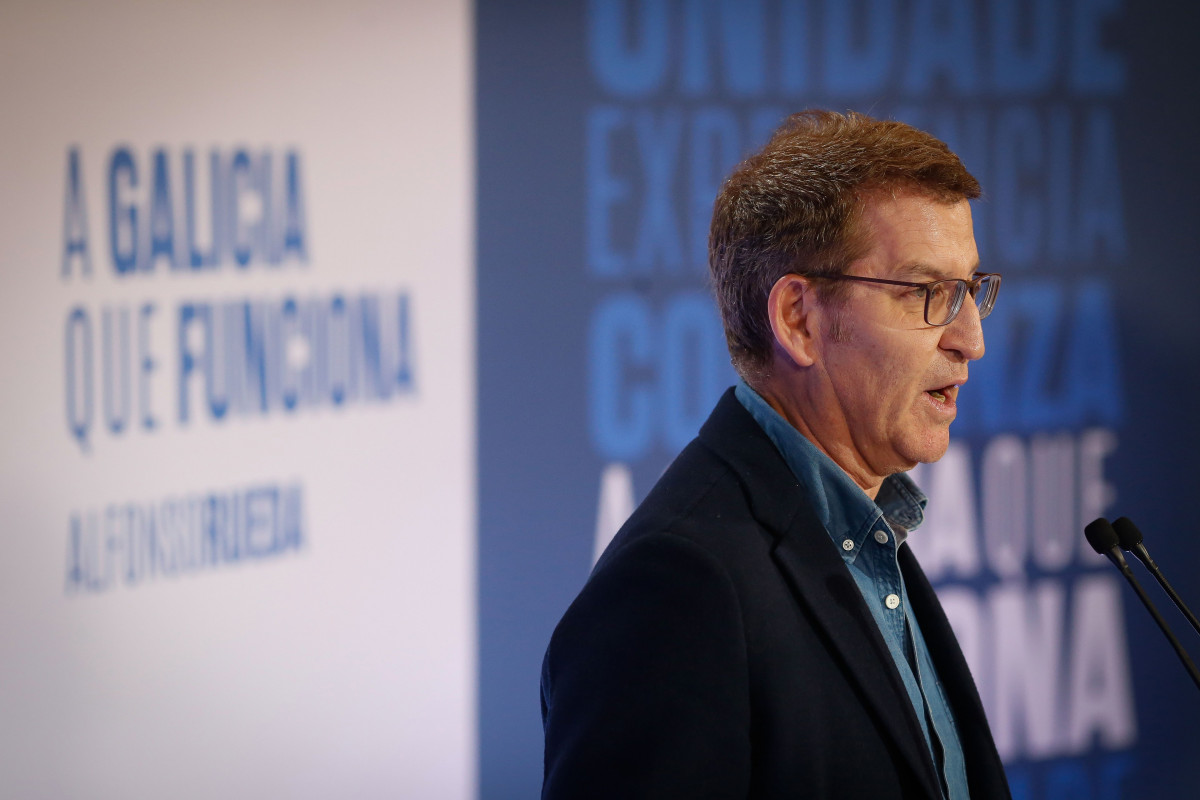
(720, 649)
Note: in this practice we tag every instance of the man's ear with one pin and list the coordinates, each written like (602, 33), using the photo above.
(790, 308)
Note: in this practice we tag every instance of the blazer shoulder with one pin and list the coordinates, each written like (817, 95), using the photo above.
(699, 498)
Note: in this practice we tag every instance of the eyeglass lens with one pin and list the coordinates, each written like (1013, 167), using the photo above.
(945, 298)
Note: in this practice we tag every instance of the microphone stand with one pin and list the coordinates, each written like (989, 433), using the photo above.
(1131, 540)
(1104, 540)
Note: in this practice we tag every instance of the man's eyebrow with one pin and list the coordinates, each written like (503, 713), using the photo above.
(919, 269)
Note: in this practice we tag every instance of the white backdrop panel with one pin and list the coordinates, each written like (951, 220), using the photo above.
(222, 600)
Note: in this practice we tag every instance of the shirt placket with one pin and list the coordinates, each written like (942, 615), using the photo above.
(895, 600)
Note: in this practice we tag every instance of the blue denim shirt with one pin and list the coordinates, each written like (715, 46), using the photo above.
(867, 534)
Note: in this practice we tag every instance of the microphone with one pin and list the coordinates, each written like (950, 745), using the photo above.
(1131, 540)
(1104, 540)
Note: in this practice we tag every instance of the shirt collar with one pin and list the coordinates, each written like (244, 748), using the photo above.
(840, 504)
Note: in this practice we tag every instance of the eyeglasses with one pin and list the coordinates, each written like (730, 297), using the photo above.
(944, 298)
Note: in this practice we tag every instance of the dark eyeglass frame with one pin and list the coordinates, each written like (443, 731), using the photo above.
(961, 289)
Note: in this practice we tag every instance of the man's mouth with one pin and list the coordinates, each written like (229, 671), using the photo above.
(946, 394)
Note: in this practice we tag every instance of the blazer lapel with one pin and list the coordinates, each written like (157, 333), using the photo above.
(807, 559)
(823, 584)
(985, 770)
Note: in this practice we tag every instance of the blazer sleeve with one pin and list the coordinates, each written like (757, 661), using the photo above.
(645, 685)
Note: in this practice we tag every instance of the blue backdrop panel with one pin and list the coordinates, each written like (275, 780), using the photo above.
(604, 130)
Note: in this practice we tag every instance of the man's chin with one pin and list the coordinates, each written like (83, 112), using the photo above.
(930, 450)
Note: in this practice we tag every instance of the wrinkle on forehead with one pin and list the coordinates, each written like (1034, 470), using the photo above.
(916, 234)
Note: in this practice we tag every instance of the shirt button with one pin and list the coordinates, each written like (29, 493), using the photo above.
(881, 537)
(892, 601)
(847, 545)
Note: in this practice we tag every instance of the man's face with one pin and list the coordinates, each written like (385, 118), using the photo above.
(887, 381)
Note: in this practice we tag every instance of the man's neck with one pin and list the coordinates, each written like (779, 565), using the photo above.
(824, 434)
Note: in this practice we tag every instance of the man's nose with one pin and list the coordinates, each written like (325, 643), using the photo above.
(964, 336)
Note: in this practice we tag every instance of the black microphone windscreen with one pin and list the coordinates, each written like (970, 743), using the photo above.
(1127, 533)
(1101, 536)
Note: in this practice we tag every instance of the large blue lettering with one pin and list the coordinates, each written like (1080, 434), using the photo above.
(851, 69)
(620, 345)
(122, 212)
(604, 190)
(116, 368)
(1055, 186)
(78, 362)
(1019, 215)
(196, 259)
(266, 243)
(147, 365)
(947, 50)
(794, 52)
(221, 388)
(1023, 65)
(1101, 219)
(255, 357)
(740, 27)
(405, 370)
(630, 69)
(289, 332)
(693, 351)
(241, 180)
(967, 135)
(339, 371)
(658, 239)
(190, 314)
(1060, 195)
(716, 145)
(1042, 321)
(255, 333)
(369, 330)
(1050, 363)
(295, 230)
(724, 46)
(1094, 70)
(1093, 372)
(162, 214)
(75, 233)
(653, 376)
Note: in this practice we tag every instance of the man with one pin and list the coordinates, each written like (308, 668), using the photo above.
(758, 628)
